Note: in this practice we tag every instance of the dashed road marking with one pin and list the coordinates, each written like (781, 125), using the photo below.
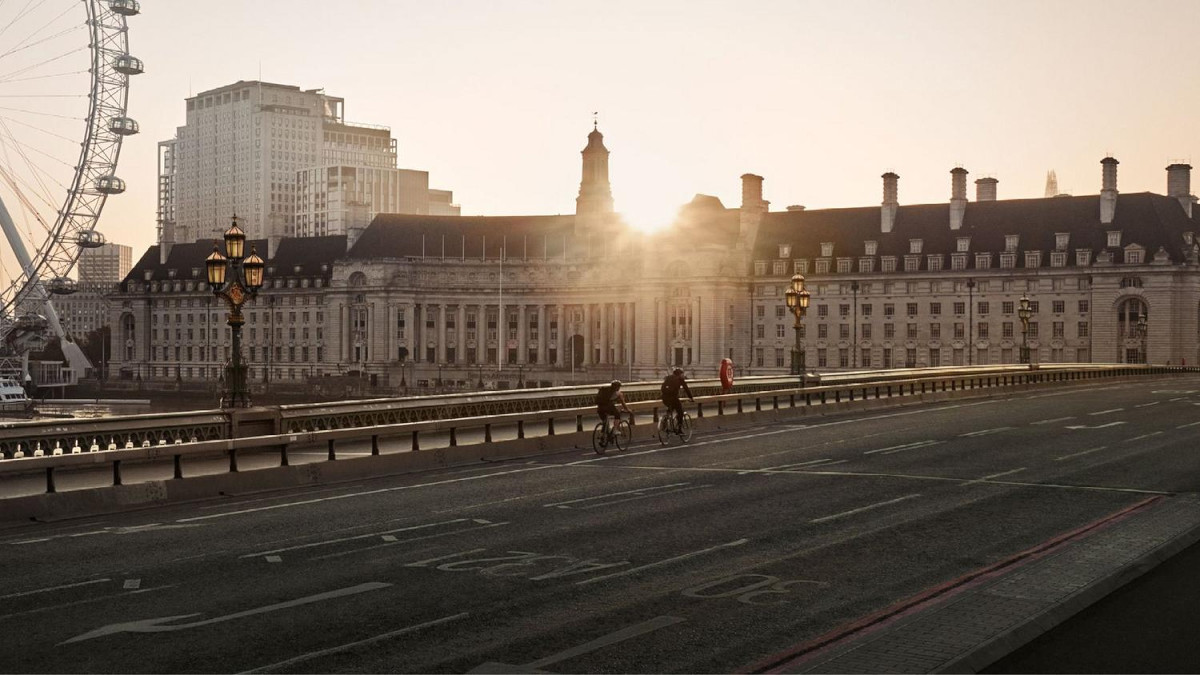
(1189, 424)
(1147, 405)
(863, 508)
(274, 559)
(132, 584)
(54, 588)
(1056, 419)
(905, 446)
(983, 432)
(1080, 454)
(1138, 438)
(668, 561)
(995, 475)
(1105, 412)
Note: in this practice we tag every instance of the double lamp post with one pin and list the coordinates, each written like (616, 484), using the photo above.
(797, 297)
(236, 279)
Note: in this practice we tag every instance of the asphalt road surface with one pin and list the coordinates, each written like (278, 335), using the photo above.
(704, 558)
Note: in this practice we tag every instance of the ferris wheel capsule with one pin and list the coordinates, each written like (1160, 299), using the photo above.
(127, 64)
(90, 239)
(123, 126)
(62, 286)
(125, 7)
(110, 185)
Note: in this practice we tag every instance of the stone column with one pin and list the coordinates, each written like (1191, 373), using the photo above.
(630, 313)
(605, 315)
(439, 329)
(522, 334)
(460, 335)
(562, 336)
(417, 349)
(587, 334)
(543, 334)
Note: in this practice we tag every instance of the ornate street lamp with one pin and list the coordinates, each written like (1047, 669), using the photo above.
(1141, 329)
(1024, 313)
(235, 278)
(797, 297)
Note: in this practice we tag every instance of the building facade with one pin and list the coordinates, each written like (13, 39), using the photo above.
(107, 264)
(241, 150)
(418, 300)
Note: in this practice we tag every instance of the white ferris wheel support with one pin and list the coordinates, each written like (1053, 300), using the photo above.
(44, 260)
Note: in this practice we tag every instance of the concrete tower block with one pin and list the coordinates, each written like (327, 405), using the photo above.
(958, 197)
(1179, 185)
(985, 189)
(1108, 190)
(891, 204)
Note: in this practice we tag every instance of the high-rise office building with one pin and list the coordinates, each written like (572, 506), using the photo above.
(107, 264)
(243, 148)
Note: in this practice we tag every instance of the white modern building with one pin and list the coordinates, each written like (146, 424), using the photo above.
(241, 151)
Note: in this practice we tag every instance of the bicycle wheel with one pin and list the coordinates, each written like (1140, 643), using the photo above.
(685, 429)
(623, 435)
(599, 442)
(662, 429)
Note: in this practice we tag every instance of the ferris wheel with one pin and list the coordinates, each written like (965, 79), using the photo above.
(64, 85)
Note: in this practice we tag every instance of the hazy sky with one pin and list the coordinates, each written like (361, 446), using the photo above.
(495, 98)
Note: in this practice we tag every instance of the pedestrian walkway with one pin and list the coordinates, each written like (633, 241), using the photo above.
(971, 623)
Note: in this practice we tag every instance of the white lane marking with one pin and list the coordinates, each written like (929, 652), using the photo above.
(351, 645)
(1052, 421)
(904, 446)
(1098, 426)
(915, 447)
(984, 432)
(1080, 454)
(155, 625)
(344, 539)
(1184, 426)
(606, 640)
(388, 537)
(1138, 438)
(274, 559)
(367, 493)
(668, 561)
(412, 539)
(54, 588)
(1177, 399)
(87, 601)
(1147, 405)
(618, 494)
(243, 502)
(424, 563)
(768, 469)
(995, 475)
(1105, 412)
(132, 584)
(904, 476)
(860, 509)
(598, 505)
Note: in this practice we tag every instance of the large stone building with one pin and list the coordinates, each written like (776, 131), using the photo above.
(243, 149)
(422, 299)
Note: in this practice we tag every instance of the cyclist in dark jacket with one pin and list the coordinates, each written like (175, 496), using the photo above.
(607, 400)
(670, 394)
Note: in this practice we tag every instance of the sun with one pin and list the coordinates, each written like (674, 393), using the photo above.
(648, 216)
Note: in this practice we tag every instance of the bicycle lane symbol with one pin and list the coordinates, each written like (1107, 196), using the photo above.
(750, 589)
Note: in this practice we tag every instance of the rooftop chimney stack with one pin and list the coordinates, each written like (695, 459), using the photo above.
(890, 202)
(1108, 190)
(958, 197)
(751, 214)
(985, 189)
(1179, 186)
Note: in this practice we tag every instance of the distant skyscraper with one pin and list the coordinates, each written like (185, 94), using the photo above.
(1051, 184)
(248, 147)
(105, 265)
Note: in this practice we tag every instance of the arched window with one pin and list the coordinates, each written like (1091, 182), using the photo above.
(358, 279)
(1131, 342)
(1131, 282)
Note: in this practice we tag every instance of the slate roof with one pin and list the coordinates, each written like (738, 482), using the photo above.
(1144, 218)
(307, 252)
(402, 236)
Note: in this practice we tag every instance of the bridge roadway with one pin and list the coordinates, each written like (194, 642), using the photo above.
(708, 557)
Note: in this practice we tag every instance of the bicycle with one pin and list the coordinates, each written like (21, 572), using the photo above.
(667, 427)
(619, 434)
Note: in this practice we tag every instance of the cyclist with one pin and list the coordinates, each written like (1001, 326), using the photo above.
(670, 394)
(607, 399)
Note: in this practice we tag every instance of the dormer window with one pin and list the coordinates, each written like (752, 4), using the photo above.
(1189, 238)
(1010, 242)
(1114, 238)
(1033, 258)
(826, 249)
(785, 250)
(760, 268)
(1134, 254)
(914, 245)
(171, 274)
(871, 247)
(1083, 257)
(1061, 239)
(964, 244)
(843, 265)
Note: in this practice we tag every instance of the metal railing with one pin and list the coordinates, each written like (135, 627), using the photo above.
(411, 433)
